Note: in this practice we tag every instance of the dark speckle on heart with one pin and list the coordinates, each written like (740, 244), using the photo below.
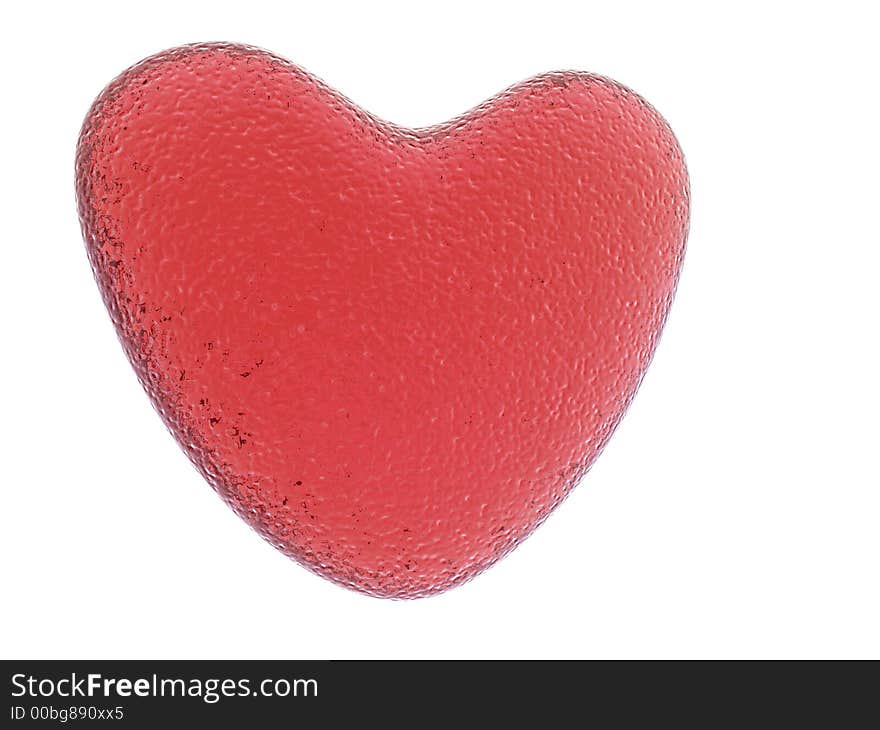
(392, 352)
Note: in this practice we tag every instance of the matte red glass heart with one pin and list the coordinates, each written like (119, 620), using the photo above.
(391, 351)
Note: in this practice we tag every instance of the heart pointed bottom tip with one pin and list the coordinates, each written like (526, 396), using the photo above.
(391, 351)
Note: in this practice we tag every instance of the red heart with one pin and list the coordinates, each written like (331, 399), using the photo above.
(391, 351)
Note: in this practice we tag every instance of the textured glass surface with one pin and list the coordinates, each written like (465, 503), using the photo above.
(391, 351)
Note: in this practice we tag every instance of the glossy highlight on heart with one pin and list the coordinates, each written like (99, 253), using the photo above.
(391, 351)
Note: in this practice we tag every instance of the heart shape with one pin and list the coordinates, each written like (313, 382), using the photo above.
(391, 351)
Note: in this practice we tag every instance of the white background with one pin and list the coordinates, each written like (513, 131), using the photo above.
(735, 512)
